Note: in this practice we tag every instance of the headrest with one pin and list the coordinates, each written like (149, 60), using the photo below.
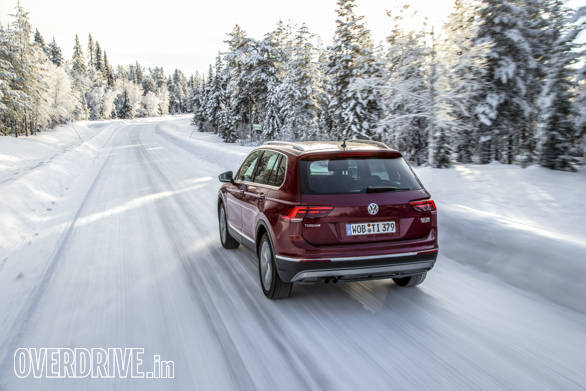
(338, 165)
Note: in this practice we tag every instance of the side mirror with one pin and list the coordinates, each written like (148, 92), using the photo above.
(226, 177)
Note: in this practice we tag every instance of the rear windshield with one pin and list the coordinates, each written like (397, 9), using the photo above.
(357, 175)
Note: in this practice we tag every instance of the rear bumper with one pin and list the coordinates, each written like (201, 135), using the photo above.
(355, 268)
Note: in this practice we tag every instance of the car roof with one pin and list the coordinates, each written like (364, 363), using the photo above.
(298, 148)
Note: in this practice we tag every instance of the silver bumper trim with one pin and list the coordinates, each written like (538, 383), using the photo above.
(361, 258)
(364, 271)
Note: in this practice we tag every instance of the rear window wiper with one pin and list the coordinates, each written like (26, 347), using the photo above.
(380, 189)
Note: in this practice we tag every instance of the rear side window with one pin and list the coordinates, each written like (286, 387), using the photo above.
(279, 173)
(271, 169)
(358, 175)
(247, 169)
(268, 162)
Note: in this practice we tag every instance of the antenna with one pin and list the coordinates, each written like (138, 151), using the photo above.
(344, 144)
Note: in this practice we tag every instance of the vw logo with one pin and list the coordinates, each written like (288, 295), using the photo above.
(373, 208)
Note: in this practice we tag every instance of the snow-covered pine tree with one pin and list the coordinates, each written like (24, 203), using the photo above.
(227, 122)
(96, 82)
(77, 60)
(180, 82)
(217, 101)
(280, 45)
(271, 120)
(38, 38)
(148, 84)
(40, 41)
(367, 106)
(129, 98)
(325, 122)
(506, 107)
(98, 59)
(556, 129)
(55, 54)
(173, 100)
(163, 96)
(199, 105)
(139, 73)
(297, 94)
(354, 102)
(177, 86)
(91, 51)
(27, 61)
(9, 97)
(343, 55)
(263, 64)
(193, 84)
(94, 95)
(125, 109)
(238, 86)
(108, 72)
(406, 92)
(201, 115)
(158, 76)
(580, 110)
(465, 66)
(439, 120)
(79, 77)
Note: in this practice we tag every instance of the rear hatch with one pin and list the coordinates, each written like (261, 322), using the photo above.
(369, 196)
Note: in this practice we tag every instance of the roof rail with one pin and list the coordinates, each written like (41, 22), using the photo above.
(371, 142)
(287, 144)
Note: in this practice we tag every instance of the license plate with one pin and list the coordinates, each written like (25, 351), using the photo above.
(381, 227)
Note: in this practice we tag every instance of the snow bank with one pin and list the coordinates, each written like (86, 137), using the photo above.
(524, 225)
(40, 176)
(23, 154)
(43, 181)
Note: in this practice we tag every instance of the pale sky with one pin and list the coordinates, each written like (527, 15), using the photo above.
(188, 34)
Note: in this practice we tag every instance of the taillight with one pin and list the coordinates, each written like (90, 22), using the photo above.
(297, 213)
(423, 206)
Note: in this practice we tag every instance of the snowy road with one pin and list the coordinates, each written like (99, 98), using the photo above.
(139, 264)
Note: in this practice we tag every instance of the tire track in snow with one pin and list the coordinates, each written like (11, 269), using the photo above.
(240, 376)
(302, 363)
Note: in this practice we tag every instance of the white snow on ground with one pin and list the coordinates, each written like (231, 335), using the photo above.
(23, 154)
(524, 225)
(111, 240)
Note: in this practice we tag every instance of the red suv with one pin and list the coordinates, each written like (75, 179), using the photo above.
(329, 211)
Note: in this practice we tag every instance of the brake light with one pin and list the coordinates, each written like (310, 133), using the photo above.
(297, 213)
(346, 154)
(423, 206)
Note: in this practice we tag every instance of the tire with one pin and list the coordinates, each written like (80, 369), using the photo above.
(227, 240)
(270, 282)
(411, 281)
